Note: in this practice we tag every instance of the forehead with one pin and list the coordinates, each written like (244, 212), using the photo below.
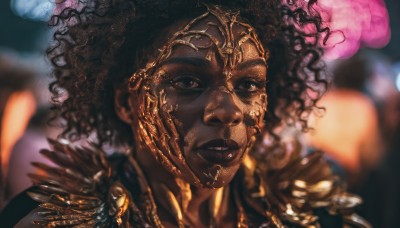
(217, 34)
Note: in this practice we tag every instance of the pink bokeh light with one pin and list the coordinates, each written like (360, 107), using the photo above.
(62, 4)
(355, 24)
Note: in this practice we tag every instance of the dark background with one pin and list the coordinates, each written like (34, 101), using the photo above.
(24, 35)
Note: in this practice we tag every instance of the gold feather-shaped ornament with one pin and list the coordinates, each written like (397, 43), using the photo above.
(82, 191)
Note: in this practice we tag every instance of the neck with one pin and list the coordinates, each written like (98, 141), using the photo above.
(169, 191)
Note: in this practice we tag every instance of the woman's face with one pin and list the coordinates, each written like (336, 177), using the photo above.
(208, 88)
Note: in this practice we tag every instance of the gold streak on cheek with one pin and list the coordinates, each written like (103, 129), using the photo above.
(263, 101)
(252, 124)
(262, 106)
(254, 119)
(159, 127)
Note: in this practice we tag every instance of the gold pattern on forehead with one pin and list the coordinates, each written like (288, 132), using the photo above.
(156, 124)
(230, 50)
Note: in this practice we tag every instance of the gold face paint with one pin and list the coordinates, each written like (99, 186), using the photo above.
(229, 50)
(157, 128)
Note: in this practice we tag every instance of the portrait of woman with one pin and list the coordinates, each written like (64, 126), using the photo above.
(189, 88)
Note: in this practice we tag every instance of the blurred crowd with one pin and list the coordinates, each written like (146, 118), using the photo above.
(24, 112)
(360, 130)
(358, 127)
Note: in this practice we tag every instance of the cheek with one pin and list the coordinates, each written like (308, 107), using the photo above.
(254, 115)
(185, 113)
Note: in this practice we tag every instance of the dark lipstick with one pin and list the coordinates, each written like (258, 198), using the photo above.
(219, 151)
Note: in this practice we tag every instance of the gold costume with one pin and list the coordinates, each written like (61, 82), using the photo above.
(86, 190)
(90, 190)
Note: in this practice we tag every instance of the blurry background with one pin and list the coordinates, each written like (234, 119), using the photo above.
(360, 129)
(24, 97)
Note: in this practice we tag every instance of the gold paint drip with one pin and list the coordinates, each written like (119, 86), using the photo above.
(169, 202)
(215, 205)
(157, 129)
(186, 192)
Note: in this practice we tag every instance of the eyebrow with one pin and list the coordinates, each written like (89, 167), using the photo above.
(200, 62)
(251, 63)
(197, 62)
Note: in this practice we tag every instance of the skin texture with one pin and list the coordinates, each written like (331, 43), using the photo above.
(117, 38)
(98, 48)
(206, 96)
(173, 106)
(121, 40)
(208, 83)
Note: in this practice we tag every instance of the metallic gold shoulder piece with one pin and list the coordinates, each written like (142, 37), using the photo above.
(81, 191)
(345, 204)
(306, 183)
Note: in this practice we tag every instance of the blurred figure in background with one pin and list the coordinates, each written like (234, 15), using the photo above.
(381, 188)
(348, 129)
(360, 130)
(17, 105)
(24, 108)
(385, 183)
(26, 150)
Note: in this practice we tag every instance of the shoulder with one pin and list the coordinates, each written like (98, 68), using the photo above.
(303, 190)
(83, 188)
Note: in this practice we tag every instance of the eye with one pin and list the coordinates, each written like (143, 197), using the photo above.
(186, 83)
(249, 86)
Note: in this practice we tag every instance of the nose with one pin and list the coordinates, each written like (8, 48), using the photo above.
(222, 109)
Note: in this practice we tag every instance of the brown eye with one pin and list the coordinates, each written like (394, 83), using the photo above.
(187, 83)
(249, 86)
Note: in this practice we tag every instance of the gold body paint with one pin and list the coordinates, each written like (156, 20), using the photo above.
(157, 125)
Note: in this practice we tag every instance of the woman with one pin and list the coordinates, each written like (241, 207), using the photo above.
(184, 85)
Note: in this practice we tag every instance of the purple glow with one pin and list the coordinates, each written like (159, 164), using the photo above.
(62, 4)
(362, 22)
(354, 23)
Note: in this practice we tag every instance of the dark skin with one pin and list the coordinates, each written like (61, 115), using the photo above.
(113, 39)
(210, 108)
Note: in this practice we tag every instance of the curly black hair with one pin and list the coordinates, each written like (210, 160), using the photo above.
(99, 46)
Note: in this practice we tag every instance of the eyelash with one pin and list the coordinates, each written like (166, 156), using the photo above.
(258, 84)
(186, 78)
(189, 83)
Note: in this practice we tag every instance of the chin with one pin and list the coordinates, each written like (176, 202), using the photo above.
(218, 176)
